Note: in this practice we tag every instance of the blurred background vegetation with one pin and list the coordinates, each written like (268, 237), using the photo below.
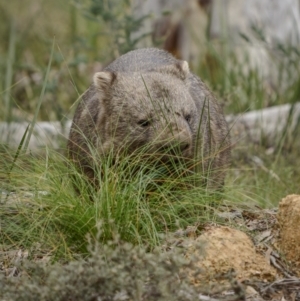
(91, 33)
(88, 35)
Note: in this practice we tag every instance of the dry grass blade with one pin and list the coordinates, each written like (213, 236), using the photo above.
(9, 72)
(30, 131)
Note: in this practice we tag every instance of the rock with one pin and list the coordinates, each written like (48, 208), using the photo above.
(222, 254)
(289, 223)
(252, 294)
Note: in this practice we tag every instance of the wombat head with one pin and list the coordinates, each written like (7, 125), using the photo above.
(153, 109)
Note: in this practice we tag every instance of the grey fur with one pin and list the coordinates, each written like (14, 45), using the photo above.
(147, 97)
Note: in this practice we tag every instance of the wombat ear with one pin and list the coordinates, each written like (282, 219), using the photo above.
(103, 80)
(183, 66)
(179, 69)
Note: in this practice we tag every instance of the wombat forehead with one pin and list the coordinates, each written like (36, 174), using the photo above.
(149, 80)
(155, 101)
(152, 86)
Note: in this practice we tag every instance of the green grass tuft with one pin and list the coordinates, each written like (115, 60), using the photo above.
(139, 202)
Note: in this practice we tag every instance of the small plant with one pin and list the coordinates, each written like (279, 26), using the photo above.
(116, 271)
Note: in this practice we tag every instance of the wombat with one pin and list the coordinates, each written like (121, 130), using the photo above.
(149, 98)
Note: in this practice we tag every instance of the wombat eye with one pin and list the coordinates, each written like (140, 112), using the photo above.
(187, 118)
(144, 122)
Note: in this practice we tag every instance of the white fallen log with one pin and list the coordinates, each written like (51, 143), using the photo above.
(45, 134)
(249, 127)
(268, 124)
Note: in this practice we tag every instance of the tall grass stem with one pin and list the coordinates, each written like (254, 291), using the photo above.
(30, 131)
(9, 72)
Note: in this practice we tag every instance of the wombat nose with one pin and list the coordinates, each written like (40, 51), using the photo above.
(184, 146)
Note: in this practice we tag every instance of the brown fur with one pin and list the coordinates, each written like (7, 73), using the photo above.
(147, 97)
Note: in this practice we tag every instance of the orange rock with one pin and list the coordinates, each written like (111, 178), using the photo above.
(289, 222)
(223, 250)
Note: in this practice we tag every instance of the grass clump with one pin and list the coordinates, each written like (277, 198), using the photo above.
(136, 201)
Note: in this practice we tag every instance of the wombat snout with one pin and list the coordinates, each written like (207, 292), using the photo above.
(177, 145)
